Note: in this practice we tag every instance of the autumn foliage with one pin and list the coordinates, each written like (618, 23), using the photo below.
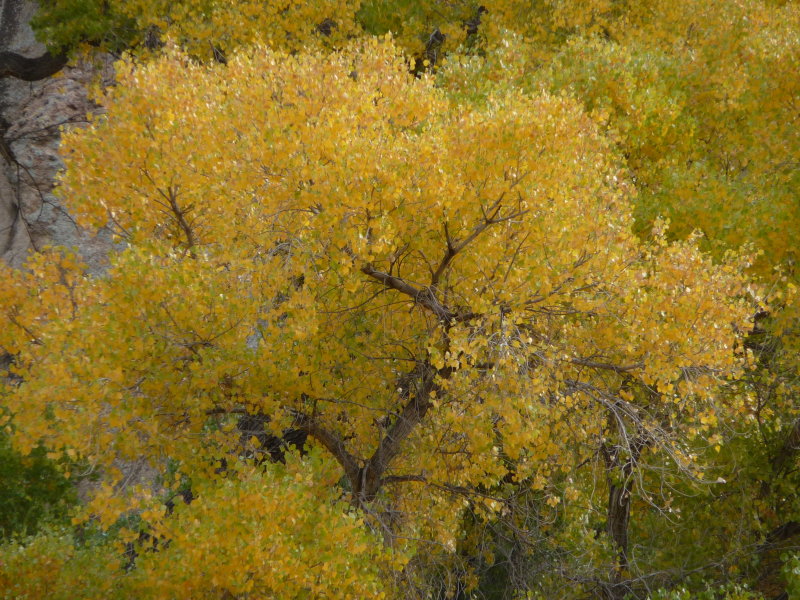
(379, 328)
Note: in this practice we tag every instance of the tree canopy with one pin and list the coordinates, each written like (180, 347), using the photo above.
(395, 310)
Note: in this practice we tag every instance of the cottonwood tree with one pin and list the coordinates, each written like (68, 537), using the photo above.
(440, 298)
(700, 98)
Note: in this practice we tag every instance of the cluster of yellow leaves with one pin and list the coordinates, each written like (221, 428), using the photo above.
(474, 27)
(700, 97)
(49, 282)
(200, 26)
(275, 533)
(278, 534)
(253, 198)
(257, 203)
(51, 566)
(297, 223)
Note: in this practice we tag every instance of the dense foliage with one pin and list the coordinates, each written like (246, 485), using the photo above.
(34, 491)
(397, 312)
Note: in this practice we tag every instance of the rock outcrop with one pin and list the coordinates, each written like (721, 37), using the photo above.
(31, 117)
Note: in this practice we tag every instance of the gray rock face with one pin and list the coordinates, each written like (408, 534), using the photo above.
(31, 217)
(31, 117)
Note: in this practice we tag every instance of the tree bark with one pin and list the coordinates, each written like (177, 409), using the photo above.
(619, 512)
(414, 411)
(788, 450)
(619, 509)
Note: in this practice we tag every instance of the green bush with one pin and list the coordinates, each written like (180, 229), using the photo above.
(32, 491)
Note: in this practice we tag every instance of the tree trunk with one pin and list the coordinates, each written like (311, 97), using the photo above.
(619, 511)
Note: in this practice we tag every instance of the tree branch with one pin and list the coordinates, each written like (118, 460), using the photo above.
(412, 414)
(491, 216)
(424, 296)
(329, 440)
(180, 216)
(788, 449)
(606, 366)
(332, 443)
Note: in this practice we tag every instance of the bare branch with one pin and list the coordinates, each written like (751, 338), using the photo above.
(332, 442)
(424, 296)
(180, 213)
(491, 216)
(403, 479)
(607, 366)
